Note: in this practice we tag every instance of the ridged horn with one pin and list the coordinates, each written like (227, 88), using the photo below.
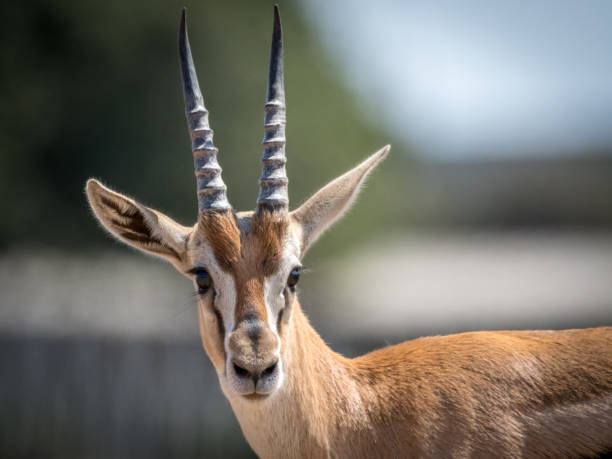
(212, 192)
(273, 189)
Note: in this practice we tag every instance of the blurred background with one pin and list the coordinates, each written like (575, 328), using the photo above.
(493, 211)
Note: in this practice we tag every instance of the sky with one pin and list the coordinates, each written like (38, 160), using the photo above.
(477, 79)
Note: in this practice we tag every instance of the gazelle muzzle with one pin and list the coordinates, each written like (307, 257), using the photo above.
(253, 360)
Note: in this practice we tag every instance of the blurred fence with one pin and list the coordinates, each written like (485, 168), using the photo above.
(101, 398)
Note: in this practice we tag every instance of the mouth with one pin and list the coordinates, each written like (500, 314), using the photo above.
(256, 396)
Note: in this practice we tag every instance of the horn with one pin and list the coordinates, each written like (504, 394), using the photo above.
(212, 192)
(273, 190)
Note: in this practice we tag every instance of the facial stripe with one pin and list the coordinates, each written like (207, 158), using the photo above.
(224, 296)
(248, 248)
(225, 292)
(250, 300)
(269, 292)
(274, 286)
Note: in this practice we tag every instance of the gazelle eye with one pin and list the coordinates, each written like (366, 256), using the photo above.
(203, 280)
(294, 277)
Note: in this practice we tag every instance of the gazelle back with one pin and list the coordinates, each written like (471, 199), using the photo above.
(510, 394)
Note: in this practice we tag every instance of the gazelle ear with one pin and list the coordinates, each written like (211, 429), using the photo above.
(136, 225)
(329, 203)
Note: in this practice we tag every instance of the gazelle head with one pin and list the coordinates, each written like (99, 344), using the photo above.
(244, 265)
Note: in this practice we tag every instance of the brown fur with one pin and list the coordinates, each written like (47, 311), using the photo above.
(479, 395)
(529, 394)
(249, 248)
(223, 235)
(266, 235)
(545, 394)
(250, 252)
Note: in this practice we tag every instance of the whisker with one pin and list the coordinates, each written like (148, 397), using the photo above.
(186, 305)
(176, 315)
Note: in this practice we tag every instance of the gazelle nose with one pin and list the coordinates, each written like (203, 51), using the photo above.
(254, 372)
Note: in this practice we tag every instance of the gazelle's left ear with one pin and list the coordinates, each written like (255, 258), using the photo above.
(136, 225)
(328, 204)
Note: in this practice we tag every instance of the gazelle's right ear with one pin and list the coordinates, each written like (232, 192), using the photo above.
(328, 204)
(136, 225)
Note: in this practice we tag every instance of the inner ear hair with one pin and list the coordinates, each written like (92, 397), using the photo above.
(135, 224)
(328, 204)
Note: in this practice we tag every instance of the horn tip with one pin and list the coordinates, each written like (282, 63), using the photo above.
(182, 27)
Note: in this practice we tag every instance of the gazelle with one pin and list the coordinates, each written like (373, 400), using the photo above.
(483, 394)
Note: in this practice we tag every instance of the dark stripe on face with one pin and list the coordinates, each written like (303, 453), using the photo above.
(250, 299)
(250, 250)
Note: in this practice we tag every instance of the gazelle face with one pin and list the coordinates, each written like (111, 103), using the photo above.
(245, 268)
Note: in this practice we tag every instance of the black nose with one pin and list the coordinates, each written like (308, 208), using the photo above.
(254, 372)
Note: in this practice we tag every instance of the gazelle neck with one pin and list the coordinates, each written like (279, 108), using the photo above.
(319, 400)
